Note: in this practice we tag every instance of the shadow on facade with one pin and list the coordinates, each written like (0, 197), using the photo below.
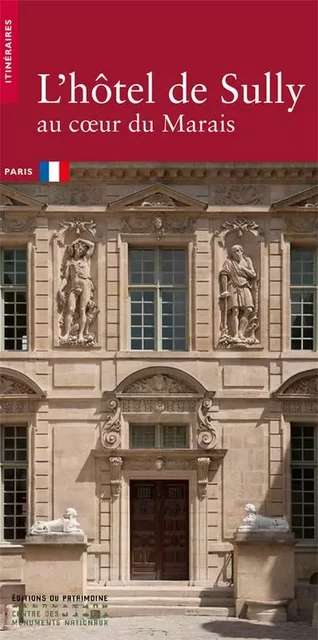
(242, 629)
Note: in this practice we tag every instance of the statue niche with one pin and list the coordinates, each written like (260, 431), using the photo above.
(238, 298)
(75, 296)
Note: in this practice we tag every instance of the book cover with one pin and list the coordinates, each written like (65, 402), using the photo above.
(158, 317)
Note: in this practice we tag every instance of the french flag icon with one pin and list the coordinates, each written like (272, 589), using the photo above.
(54, 171)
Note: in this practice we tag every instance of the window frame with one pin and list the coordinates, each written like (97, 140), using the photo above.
(15, 288)
(312, 288)
(308, 542)
(21, 464)
(157, 288)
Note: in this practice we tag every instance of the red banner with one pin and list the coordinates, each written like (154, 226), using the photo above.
(196, 81)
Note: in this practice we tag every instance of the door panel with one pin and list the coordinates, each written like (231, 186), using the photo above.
(159, 530)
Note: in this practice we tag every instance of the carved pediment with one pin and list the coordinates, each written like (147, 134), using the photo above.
(302, 385)
(17, 395)
(15, 385)
(158, 198)
(11, 198)
(11, 386)
(305, 201)
(158, 384)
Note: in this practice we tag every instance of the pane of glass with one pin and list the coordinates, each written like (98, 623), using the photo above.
(8, 278)
(149, 344)
(174, 437)
(142, 437)
(9, 345)
(309, 534)
(180, 345)
(136, 344)
(9, 296)
(297, 496)
(167, 345)
(20, 254)
(21, 296)
(8, 254)
(136, 332)
(136, 296)
(308, 473)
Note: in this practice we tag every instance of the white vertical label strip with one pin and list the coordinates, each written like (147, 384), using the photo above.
(54, 172)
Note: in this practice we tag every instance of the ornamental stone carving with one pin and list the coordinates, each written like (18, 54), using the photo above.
(158, 225)
(203, 473)
(111, 428)
(300, 406)
(18, 406)
(159, 383)
(67, 524)
(306, 387)
(76, 304)
(158, 200)
(148, 405)
(15, 225)
(206, 432)
(11, 386)
(253, 521)
(238, 300)
(240, 225)
(115, 465)
(240, 194)
(303, 224)
(79, 225)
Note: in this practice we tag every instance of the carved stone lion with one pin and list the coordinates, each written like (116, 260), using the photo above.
(66, 524)
(253, 521)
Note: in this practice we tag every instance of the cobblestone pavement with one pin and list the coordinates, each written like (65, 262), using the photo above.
(170, 628)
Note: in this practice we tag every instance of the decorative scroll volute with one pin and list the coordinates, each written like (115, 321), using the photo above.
(206, 432)
(111, 428)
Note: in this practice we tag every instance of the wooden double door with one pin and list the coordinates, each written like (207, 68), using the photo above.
(159, 530)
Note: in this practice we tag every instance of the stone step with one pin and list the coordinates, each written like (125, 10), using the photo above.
(128, 611)
(170, 601)
(166, 591)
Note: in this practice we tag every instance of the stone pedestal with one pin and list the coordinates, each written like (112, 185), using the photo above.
(264, 575)
(55, 564)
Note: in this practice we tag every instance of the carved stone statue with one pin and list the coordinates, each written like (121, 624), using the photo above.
(76, 295)
(66, 524)
(253, 521)
(238, 299)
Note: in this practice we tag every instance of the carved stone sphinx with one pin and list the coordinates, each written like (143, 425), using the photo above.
(253, 521)
(76, 303)
(66, 524)
(238, 300)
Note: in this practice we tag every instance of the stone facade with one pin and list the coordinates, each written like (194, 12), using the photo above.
(78, 387)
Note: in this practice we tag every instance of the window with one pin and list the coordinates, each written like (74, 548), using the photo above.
(158, 299)
(13, 470)
(159, 436)
(304, 456)
(13, 302)
(303, 296)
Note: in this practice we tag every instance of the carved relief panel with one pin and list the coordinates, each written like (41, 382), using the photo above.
(237, 284)
(76, 296)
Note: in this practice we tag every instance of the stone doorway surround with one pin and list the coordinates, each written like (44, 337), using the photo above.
(160, 395)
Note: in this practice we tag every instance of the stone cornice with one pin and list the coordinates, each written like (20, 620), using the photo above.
(196, 172)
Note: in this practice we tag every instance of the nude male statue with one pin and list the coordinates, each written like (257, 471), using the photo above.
(76, 288)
